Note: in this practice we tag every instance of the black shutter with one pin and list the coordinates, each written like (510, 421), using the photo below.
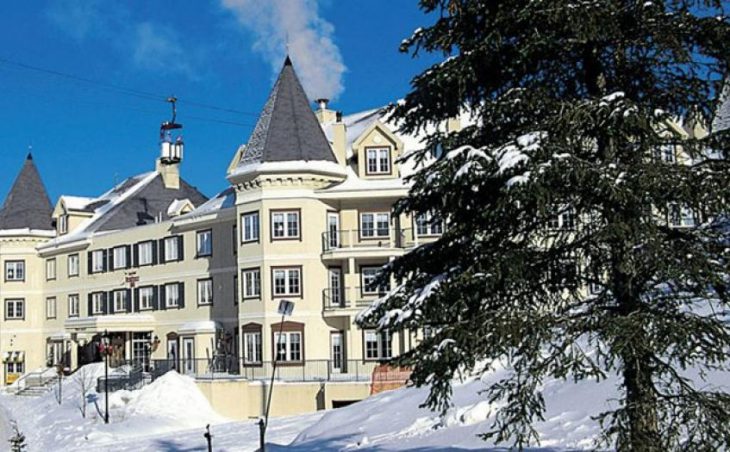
(180, 247)
(155, 298)
(181, 295)
(162, 251)
(90, 308)
(136, 300)
(128, 251)
(135, 255)
(154, 252)
(105, 260)
(162, 303)
(90, 267)
(105, 303)
(128, 300)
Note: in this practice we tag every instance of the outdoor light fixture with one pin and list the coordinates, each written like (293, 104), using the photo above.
(105, 349)
(286, 308)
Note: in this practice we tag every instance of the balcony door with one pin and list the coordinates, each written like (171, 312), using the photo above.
(337, 352)
(335, 287)
(188, 365)
(333, 230)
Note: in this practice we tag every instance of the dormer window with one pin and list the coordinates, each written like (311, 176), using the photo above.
(63, 224)
(378, 160)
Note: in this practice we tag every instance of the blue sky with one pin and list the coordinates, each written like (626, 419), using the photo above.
(221, 53)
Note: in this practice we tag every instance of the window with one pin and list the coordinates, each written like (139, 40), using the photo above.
(15, 309)
(252, 347)
(375, 224)
(368, 277)
(205, 291)
(146, 295)
(287, 281)
(51, 308)
(669, 153)
(63, 224)
(97, 303)
(378, 160)
(73, 265)
(120, 300)
(172, 295)
(73, 305)
(204, 243)
(285, 225)
(251, 283)
(288, 346)
(119, 259)
(173, 248)
(563, 274)
(250, 227)
(378, 344)
(98, 259)
(429, 224)
(561, 217)
(14, 367)
(15, 271)
(50, 269)
(144, 253)
(235, 289)
(679, 216)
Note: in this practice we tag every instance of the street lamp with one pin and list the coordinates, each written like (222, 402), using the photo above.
(286, 308)
(105, 350)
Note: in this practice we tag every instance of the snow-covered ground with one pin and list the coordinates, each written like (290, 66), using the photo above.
(171, 414)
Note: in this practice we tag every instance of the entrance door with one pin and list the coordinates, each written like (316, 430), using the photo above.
(188, 365)
(333, 230)
(172, 353)
(141, 350)
(335, 287)
(337, 352)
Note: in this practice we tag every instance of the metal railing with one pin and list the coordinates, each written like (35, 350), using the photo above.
(375, 238)
(350, 297)
(322, 370)
(126, 375)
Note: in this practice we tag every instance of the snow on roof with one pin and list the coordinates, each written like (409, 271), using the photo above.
(222, 201)
(76, 202)
(291, 166)
(201, 326)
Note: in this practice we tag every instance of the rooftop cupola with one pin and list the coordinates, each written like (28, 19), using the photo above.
(171, 149)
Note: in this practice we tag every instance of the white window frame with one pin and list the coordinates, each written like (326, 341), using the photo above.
(281, 225)
(170, 300)
(172, 254)
(377, 160)
(97, 261)
(73, 305)
(12, 367)
(119, 257)
(146, 296)
(286, 289)
(428, 224)
(252, 347)
(51, 310)
(288, 349)
(250, 227)
(15, 270)
(73, 265)
(119, 298)
(15, 303)
(369, 273)
(251, 278)
(205, 291)
(51, 269)
(562, 218)
(378, 219)
(383, 345)
(144, 253)
(63, 224)
(97, 303)
(203, 246)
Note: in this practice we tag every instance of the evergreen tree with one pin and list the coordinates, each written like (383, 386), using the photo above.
(17, 441)
(567, 178)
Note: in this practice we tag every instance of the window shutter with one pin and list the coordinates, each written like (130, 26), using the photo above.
(162, 300)
(181, 294)
(154, 252)
(128, 251)
(90, 267)
(105, 303)
(136, 299)
(135, 255)
(180, 254)
(155, 298)
(128, 300)
(105, 261)
(90, 308)
(162, 251)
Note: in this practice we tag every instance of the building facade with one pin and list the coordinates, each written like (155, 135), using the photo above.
(171, 278)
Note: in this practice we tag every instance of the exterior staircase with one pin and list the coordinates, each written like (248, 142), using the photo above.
(35, 384)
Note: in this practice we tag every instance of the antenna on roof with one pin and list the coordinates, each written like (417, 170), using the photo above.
(171, 150)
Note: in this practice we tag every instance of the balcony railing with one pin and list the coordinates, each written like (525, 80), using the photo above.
(302, 371)
(376, 238)
(350, 297)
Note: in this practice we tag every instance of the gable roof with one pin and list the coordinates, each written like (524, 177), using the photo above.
(27, 205)
(287, 129)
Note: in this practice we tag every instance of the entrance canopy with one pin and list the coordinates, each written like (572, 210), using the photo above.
(111, 323)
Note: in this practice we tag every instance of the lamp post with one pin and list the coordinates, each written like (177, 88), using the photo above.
(105, 351)
(286, 308)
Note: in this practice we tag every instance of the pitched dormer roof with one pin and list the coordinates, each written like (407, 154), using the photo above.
(287, 129)
(27, 205)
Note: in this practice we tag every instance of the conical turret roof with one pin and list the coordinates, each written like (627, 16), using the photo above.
(287, 129)
(27, 205)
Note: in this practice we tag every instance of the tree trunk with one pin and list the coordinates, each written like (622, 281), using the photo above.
(643, 434)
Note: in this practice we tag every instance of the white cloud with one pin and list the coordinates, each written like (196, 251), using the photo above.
(77, 18)
(157, 47)
(310, 41)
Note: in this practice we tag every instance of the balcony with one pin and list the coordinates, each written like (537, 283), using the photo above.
(348, 300)
(371, 242)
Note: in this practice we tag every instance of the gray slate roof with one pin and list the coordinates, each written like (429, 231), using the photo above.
(27, 205)
(287, 129)
(144, 205)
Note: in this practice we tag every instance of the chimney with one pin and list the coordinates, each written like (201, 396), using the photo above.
(170, 173)
(324, 114)
(339, 139)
